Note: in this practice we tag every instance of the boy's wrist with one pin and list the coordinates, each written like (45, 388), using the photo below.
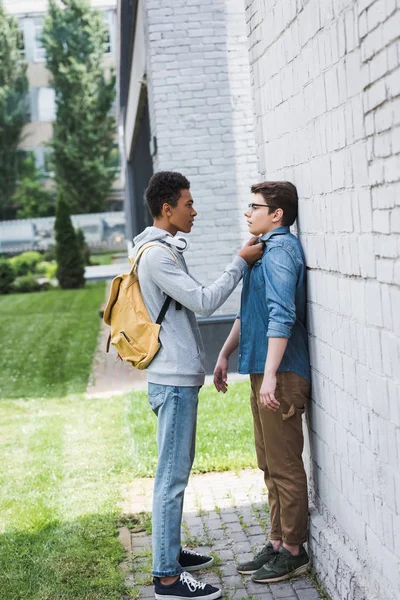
(269, 372)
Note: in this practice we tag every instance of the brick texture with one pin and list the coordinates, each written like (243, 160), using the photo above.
(201, 114)
(325, 80)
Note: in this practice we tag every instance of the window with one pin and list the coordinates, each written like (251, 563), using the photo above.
(21, 39)
(40, 52)
(46, 104)
(109, 21)
(42, 104)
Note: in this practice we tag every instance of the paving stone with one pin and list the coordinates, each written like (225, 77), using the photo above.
(244, 557)
(226, 554)
(140, 542)
(213, 524)
(302, 584)
(229, 568)
(234, 527)
(239, 537)
(252, 530)
(232, 581)
(147, 591)
(211, 578)
(283, 590)
(229, 517)
(308, 594)
(222, 544)
(263, 596)
(258, 541)
(255, 588)
(239, 595)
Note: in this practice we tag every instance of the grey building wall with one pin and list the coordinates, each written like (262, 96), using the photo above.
(326, 82)
(201, 115)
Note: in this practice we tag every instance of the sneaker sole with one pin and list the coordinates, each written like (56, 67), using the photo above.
(246, 572)
(212, 596)
(199, 567)
(299, 571)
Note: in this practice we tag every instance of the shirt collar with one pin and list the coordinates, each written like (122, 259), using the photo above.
(278, 231)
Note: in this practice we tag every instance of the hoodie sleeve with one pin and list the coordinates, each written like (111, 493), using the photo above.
(174, 282)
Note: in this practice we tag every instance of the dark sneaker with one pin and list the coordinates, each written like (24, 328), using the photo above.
(185, 587)
(192, 561)
(282, 566)
(264, 556)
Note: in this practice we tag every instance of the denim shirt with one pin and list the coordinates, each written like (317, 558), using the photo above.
(273, 304)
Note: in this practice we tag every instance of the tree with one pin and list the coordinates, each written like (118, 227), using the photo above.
(70, 267)
(31, 199)
(83, 136)
(85, 250)
(13, 108)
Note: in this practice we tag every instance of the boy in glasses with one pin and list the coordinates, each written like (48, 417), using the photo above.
(271, 334)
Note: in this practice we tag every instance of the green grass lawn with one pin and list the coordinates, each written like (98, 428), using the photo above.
(47, 341)
(67, 459)
(224, 432)
(105, 258)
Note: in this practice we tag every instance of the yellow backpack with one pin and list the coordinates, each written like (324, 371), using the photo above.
(133, 333)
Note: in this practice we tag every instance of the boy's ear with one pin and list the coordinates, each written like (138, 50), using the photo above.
(166, 209)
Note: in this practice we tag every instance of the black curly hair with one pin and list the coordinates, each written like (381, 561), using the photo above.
(165, 186)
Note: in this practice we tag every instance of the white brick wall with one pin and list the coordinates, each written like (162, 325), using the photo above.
(325, 79)
(201, 113)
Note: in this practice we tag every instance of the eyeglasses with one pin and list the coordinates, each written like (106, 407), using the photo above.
(252, 206)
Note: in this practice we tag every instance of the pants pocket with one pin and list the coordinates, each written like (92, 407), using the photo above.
(292, 411)
(156, 395)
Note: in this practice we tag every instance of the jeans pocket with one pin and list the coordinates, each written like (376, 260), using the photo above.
(156, 394)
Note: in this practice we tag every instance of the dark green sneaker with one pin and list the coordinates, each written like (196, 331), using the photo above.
(247, 568)
(282, 566)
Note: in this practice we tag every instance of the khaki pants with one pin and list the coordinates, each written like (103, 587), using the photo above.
(279, 446)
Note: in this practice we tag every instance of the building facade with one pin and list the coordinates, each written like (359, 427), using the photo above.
(326, 81)
(185, 105)
(42, 109)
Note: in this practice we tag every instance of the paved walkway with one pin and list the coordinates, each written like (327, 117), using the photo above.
(225, 514)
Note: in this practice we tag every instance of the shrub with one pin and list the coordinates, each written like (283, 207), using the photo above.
(7, 276)
(70, 266)
(47, 269)
(26, 283)
(50, 254)
(25, 263)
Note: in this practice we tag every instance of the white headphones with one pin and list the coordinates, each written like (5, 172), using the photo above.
(180, 243)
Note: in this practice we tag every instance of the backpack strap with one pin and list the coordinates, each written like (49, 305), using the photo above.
(134, 263)
(164, 309)
(145, 247)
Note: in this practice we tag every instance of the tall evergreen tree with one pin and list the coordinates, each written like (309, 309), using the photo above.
(13, 108)
(70, 262)
(83, 137)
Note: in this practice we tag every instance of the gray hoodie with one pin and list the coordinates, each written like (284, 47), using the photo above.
(180, 360)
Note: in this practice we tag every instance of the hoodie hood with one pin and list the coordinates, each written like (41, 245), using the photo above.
(155, 234)
(150, 234)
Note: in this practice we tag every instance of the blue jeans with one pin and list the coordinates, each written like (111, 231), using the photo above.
(176, 409)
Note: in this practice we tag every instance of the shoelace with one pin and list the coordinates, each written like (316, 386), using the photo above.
(278, 557)
(191, 582)
(265, 550)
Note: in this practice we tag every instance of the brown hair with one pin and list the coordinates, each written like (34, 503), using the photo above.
(279, 194)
